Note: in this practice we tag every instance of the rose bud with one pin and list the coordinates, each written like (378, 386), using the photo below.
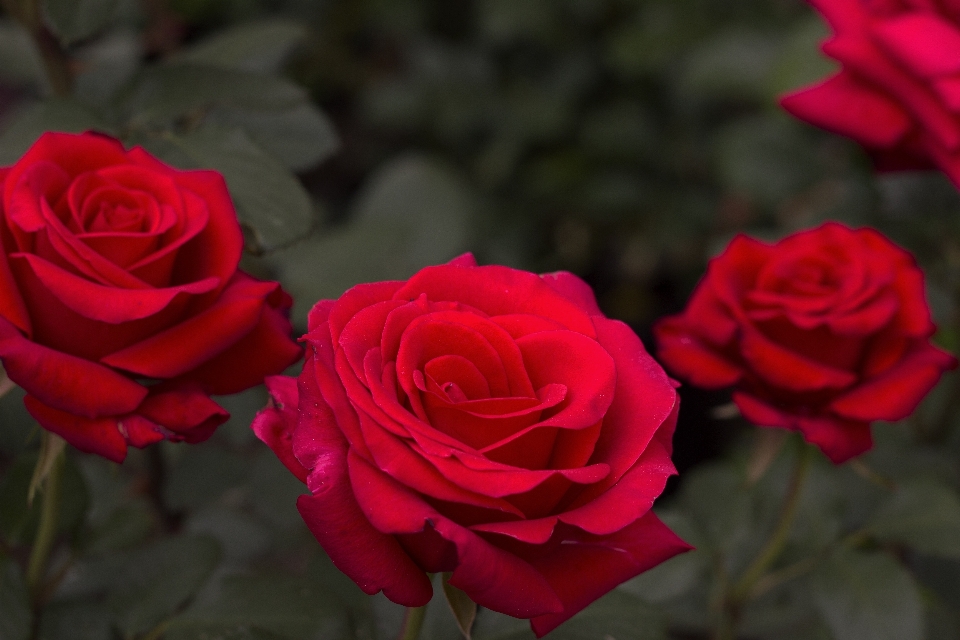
(121, 305)
(898, 91)
(823, 332)
(482, 421)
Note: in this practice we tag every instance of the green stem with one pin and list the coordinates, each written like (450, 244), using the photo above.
(725, 629)
(47, 529)
(157, 632)
(413, 622)
(771, 551)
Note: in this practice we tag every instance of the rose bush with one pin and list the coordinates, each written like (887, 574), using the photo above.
(822, 332)
(898, 92)
(121, 305)
(482, 421)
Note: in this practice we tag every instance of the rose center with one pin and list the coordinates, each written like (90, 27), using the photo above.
(117, 217)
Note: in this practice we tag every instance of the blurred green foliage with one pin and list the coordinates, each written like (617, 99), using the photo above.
(624, 140)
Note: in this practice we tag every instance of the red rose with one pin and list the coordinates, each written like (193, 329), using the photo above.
(822, 332)
(484, 421)
(121, 306)
(898, 93)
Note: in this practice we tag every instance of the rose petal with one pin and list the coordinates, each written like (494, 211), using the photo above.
(492, 577)
(140, 432)
(463, 260)
(184, 410)
(925, 43)
(103, 303)
(74, 153)
(92, 435)
(353, 301)
(845, 106)
(536, 531)
(215, 251)
(860, 57)
(644, 403)
(244, 364)
(12, 306)
(761, 413)
(586, 567)
(275, 424)
(839, 439)
(375, 561)
(581, 365)
(496, 291)
(402, 462)
(574, 289)
(190, 343)
(787, 369)
(65, 382)
(627, 500)
(690, 358)
(894, 394)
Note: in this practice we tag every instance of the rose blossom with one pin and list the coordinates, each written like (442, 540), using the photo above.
(121, 305)
(482, 421)
(822, 332)
(898, 93)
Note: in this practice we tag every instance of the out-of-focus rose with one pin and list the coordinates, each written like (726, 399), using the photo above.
(898, 93)
(822, 332)
(121, 306)
(482, 421)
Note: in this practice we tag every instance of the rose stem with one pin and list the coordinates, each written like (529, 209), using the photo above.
(775, 544)
(47, 529)
(412, 622)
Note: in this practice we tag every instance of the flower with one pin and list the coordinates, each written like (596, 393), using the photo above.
(898, 93)
(121, 305)
(823, 332)
(482, 421)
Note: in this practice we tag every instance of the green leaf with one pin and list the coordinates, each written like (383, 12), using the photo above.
(35, 120)
(15, 515)
(18, 520)
(464, 609)
(14, 603)
(492, 625)
(734, 64)
(718, 506)
(299, 137)
(200, 475)
(411, 213)
(158, 580)
(800, 61)
(924, 515)
(163, 93)
(261, 46)
(281, 605)
(20, 62)
(768, 158)
(19, 427)
(671, 579)
(144, 586)
(269, 199)
(76, 620)
(867, 596)
(345, 595)
(241, 536)
(74, 20)
(274, 490)
(616, 615)
(125, 527)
